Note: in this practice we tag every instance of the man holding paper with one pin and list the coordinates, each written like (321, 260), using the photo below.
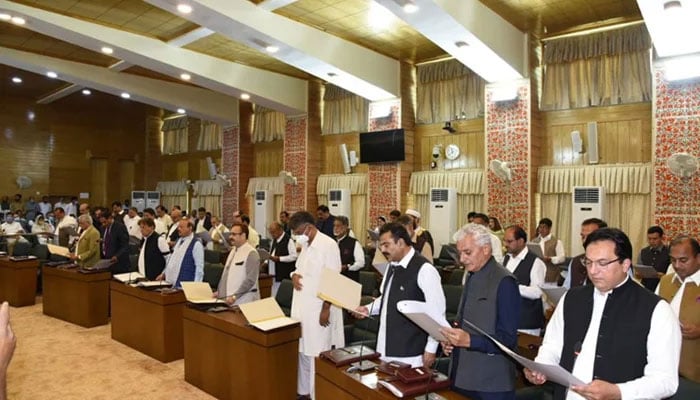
(614, 333)
(87, 251)
(239, 281)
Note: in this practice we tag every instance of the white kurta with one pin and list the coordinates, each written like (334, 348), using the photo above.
(323, 252)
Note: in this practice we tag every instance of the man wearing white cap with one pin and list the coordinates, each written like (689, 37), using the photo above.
(421, 235)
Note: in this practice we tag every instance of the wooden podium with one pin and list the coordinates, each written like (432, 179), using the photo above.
(18, 281)
(230, 360)
(76, 297)
(147, 320)
(265, 284)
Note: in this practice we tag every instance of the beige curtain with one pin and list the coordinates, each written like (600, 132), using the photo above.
(343, 111)
(357, 183)
(208, 195)
(448, 90)
(174, 133)
(210, 137)
(275, 186)
(600, 69)
(268, 125)
(469, 185)
(172, 193)
(627, 197)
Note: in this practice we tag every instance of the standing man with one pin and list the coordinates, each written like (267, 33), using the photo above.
(682, 290)
(161, 229)
(577, 275)
(131, 221)
(552, 249)
(409, 277)
(351, 254)
(118, 211)
(254, 238)
(421, 245)
(154, 250)
(173, 233)
(491, 301)
(496, 245)
(655, 255)
(187, 261)
(203, 222)
(283, 255)
(321, 323)
(529, 271)
(325, 220)
(87, 250)
(640, 340)
(217, 232)
(239, 281)
(45, 206)
(66, 226)
(115, 244)
(422, 236)
(163, 216)
(284, 221)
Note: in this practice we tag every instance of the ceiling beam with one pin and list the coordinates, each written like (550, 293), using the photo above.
(198, 102)
(330, 58)
(273, 90)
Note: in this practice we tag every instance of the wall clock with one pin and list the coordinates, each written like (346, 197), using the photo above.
(452, 152)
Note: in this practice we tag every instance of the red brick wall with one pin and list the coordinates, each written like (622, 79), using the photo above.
(230, 155)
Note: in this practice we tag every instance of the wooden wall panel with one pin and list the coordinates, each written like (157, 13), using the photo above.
(127, 172)
(269, 158)
(624, 134)
(469, 137)
(98, 181)
(331, 163)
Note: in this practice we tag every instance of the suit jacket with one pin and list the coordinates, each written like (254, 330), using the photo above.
(207, 223)
(118, 246)
(89, 247)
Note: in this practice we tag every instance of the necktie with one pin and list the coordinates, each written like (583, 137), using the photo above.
(108, 236)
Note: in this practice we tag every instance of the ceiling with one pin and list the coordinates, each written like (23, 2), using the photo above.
(354, 21)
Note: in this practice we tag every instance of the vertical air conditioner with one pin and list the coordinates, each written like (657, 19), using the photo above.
(339, 202)
(587, 202)
(138, 199)
(264, 211)
(152, 199)
(443, 216)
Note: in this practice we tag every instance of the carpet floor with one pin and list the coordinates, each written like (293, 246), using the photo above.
(58, 360)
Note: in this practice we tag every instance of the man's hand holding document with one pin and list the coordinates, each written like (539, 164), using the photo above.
(59, 250)
(265, 314)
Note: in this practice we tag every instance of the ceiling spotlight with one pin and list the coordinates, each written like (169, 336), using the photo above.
(272, 49)
(185, 77)
(18, 20)
(5, 17)
(332, 74)
(16, 79)
(461, 44)
(184, 8)
(245, 96)
(52, 75)
(87, 92)
(181, 111)
(672, 5)
(125, 95)
(410, 7)
(107, 50)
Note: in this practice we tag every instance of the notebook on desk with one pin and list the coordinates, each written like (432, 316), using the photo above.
(265, 314)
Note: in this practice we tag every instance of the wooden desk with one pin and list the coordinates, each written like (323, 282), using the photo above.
(265, 285)
(230, 360)
(18, 281)
(148, 321)
(333, 383)
(75, 297)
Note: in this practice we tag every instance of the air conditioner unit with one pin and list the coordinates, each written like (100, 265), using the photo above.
(138, 199)
(152, 199)
(340, 202)
(264, 211)
(443, 216)
(587, 202)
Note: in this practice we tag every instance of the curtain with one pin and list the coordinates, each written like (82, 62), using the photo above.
(446, 91)
(208, 195)
(343, 111)
(600, 69)
(357, 183)
(275, 186)
(268, 125)
(627, 197)
(172, 193)
(210, 137)
(174, 132)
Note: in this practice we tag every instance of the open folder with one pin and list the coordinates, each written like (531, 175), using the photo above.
(417, 311)
(265, 314)
(58, 250)
(645, 271)
(199, 293)
(339, 290)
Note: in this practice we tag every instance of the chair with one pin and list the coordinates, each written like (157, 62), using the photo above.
(212, 273)
(447, 257)
(363, 331)
(22, 248)
(211, 256)
(284, 296)
(453, 294)
(370, 286)
(40, 251)
(456, 277)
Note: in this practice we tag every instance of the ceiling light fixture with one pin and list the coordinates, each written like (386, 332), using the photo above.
(332, 74)
(410, 7)
(5, 17)
(461, 44)
(271, 49)
(87, 92)
(184, 8)
(18, 20)
(185, 76)
(245, 96)
(125, 95)
(107, 50)
(52, 75)
(672, 5)
(181, 111)
(16, 79)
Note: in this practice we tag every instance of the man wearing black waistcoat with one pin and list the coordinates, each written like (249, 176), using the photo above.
(409, 277)
(614, 335)
(577, 275)
(283, 255)
(154, 249)
(655, 255)
(351, 254)
(491, 301)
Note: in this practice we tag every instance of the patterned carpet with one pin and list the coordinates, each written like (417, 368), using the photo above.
(58, 360)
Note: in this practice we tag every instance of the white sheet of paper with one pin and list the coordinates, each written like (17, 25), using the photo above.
(199, 292)
(265, 314)
(149, 284)
(381, 267)
(554, 293)
(554, 373)
(128, 277)
(535, 249)
(645, 271)
(418, 312)
(339, 290)
(58, 250)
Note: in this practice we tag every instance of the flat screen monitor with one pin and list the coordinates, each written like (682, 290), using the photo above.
(382, 146)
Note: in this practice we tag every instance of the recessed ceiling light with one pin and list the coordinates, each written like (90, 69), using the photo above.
(16, 79)
(272, 49)
(5, 17)
(181, 111)
(245, 96)
(184, 8)
(18, 20)
(185, 77)
(671, 5)
(107, 50)
(410, 8)
(52, 74)
(125, 95)
(87, 92)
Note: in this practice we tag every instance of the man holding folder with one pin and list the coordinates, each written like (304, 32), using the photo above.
(87, 251)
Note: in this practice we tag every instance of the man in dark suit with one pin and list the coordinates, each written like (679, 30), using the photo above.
(203, 221)
(115, 244)
(325, 219)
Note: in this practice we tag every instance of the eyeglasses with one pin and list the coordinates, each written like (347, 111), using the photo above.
(603, 264)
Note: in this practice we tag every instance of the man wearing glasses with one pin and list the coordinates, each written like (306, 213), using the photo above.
(614, 335)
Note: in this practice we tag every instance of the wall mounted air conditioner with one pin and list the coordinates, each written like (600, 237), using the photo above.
(138, 199)
(443, 216)
(152, 199)
(586, 202)
(340, 202)
(264, 211)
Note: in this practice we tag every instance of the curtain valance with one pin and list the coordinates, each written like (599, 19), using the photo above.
(357, 183)
(172, 188)
(629, 39)
(466, 182)
(273, 184)
(616, 178)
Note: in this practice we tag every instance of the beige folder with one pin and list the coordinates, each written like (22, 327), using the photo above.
(58, 250)
(199, 292)
(339, 290)
(265, 314)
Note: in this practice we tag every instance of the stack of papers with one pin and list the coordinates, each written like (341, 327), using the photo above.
(265, 314)
(199, 293)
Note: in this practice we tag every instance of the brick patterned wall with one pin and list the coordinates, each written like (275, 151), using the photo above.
(384, 179)
(508, 139)
(230, 155)
(295, 161)
(676, 129)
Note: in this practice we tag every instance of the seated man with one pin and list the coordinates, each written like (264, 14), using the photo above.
(239, 281)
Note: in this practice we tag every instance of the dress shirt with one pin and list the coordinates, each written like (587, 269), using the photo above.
(132, 226)
(660, 377)
(162, 246)
(44, 208)
(71, 209)
(496, 248)
(253, 237)
(676, 301)
(172, 267)
(560, 256)
(358, 254)
(160, 227)
(536, 275)
(11, 229)
(291, 249)
(429, 282)
(166, 220)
